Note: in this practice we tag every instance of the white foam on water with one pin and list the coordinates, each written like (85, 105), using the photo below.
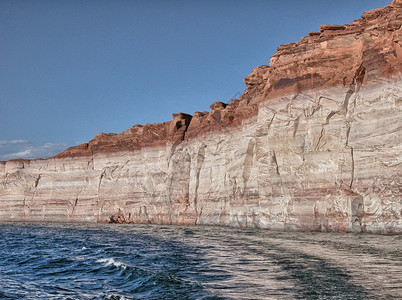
(110, 261)
(112, 296)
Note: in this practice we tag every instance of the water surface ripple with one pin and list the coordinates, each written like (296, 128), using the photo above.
(100, 261)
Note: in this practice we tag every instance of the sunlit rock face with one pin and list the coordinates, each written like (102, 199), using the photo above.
(314, 143)
(327, 160)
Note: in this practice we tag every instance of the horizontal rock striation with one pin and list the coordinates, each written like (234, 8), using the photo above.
(314, 143)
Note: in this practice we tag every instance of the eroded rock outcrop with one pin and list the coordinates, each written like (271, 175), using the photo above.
(314, 143)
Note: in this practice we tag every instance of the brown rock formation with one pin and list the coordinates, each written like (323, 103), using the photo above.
(135, 138)
(365, 50)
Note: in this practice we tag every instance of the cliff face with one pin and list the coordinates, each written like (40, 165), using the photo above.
(314, 143)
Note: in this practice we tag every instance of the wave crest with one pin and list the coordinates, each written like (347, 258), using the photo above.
(111, 262)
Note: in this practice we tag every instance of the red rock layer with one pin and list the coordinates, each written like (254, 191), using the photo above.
(135, 138)
(367, 49)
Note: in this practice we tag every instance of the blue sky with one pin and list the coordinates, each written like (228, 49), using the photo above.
(70, 69)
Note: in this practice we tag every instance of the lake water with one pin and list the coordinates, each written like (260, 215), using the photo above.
(102, 261)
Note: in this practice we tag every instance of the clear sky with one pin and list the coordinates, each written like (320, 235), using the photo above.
(70, 69)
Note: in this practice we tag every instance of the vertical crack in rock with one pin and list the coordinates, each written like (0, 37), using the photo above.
(354, 89)
(37, 180)
(352, 175)
(74, 206)
(352, 172)
(271, 121)
(36, 183)
(90, 165)
(308, 114)
(181, 123)
(276, 163)
(186, 126)
(331, 114)
(359, 76)
(248, 163)
(357, 213)
(317, 146)
(173, 149)
(178, 187)
(100, 180)
(200, 162)
(146, 214)
(349, 94)
(296, 125)
(169, 185)
(100, 203)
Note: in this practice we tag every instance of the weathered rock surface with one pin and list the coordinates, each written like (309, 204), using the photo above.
(314, 143)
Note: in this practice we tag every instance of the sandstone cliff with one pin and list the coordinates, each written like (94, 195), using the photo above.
(314, 143)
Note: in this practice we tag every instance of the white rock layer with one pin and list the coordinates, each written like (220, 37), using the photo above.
(327, 160)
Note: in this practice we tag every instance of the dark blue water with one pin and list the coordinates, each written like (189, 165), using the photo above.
(70, 261)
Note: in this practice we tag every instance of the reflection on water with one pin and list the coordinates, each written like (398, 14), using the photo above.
(99, 261)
